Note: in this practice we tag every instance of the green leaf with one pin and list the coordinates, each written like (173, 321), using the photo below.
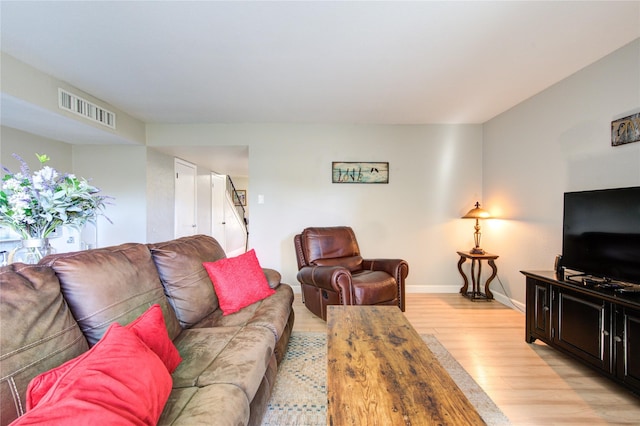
(42, 158)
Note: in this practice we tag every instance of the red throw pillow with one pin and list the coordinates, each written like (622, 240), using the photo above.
(148, 327)
(151, 329)
(239, 281)
(118, 381)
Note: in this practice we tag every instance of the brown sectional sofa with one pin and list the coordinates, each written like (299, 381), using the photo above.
(55, 311)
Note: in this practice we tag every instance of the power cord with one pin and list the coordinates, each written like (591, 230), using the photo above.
(508, 296)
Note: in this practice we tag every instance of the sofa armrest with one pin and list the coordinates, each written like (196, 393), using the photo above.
(273, 277)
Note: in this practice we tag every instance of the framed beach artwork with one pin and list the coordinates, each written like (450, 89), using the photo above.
(359, 172)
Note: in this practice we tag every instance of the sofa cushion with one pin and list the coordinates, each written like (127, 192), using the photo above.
(118, 381)
(112, 284)
(226, 403)
(232, 355)
(239, 281)
(37, 332)
(271, 313)
(186, 283)
(150, 328)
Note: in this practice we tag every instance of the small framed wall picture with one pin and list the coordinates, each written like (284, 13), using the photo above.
(625, 130)
(240, 197)
(359, 172)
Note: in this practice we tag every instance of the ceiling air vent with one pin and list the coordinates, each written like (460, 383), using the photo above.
(86, 109)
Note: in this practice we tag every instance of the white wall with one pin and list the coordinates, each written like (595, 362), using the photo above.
(26, 145)
(557, 141)
(203, 201)
(120, 172)
(435, 177)
(29, 98)
(160, 196)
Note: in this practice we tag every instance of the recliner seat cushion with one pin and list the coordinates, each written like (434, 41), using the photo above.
(374, 287)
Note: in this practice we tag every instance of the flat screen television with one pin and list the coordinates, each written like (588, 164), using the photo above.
(601, 233)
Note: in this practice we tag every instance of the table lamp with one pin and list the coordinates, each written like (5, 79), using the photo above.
(477, 213)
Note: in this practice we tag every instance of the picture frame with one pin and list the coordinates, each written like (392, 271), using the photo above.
(625, 130)
(360, 172)
(240, 197)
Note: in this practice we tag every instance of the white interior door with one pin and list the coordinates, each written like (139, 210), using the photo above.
(185, 198)
(218, 190)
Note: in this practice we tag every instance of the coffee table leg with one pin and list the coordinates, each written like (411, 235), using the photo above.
(465, 287)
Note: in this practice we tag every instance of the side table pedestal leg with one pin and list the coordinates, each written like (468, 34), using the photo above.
(494, 268)
(465, 287)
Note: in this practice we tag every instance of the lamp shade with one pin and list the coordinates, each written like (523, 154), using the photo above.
(477, 213)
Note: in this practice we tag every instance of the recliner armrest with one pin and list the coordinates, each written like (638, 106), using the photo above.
(326, 277)
(397, 268)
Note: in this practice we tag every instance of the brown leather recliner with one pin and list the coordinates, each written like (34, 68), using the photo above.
(331, 271)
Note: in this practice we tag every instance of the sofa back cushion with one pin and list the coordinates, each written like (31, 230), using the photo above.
(37, 332)
(112, 284)
(186, 282)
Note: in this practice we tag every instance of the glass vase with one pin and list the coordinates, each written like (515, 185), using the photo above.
(30, 251)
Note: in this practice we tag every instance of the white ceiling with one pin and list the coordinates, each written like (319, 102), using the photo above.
(388, 62)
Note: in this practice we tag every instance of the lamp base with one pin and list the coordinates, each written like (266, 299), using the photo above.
(476, 250)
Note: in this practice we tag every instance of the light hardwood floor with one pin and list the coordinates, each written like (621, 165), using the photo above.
(531, 383)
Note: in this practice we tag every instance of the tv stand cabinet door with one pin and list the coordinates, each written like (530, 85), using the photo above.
(538, 315)
(627, 341)
(582, 327)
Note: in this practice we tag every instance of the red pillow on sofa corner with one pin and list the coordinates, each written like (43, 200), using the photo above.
(152, 330)
(118, 381)
(149, 328)
(238, 281)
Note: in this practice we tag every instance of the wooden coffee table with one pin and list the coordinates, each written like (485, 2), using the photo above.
(380, 372)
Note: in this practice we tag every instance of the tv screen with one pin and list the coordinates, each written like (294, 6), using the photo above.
(601, 233)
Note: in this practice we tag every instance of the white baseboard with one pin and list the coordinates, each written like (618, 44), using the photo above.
(448, 289)
(432, 289)
(510, 303)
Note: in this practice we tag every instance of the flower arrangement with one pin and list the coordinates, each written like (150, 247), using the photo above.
(35, 205)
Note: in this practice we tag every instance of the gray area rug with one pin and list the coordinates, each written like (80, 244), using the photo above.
(300, 393)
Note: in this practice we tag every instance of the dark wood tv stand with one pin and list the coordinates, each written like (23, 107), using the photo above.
(600, 328)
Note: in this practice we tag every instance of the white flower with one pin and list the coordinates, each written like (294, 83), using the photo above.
(44, 178)
(36, 205)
